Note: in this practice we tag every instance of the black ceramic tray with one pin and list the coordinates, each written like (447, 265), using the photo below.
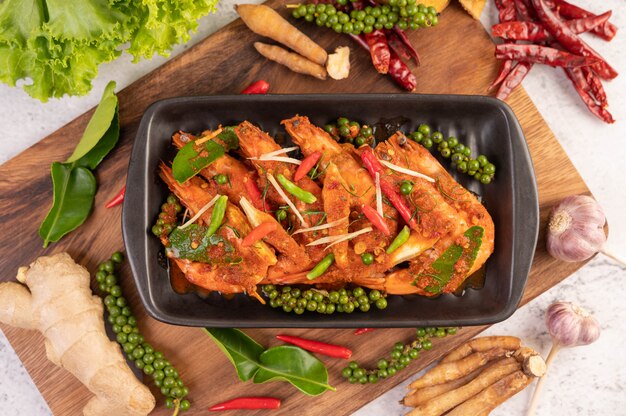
(486, 124)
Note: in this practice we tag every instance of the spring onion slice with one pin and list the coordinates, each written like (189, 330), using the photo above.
(249, 210)
(406, 171)
(208, 136)
(200, 212)
(285, 198)
(335, 239)
(321, 227)
(379, 196)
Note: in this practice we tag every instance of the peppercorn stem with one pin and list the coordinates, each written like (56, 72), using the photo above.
(177, 408)
(534, 402)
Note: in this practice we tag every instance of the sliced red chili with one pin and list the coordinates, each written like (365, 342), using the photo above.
(247, 403)
(362, 331)
(258, 232)
(375, 218)
(331, 350)
(253, 192)
(306, 165)
(258, 87)
(117, 199)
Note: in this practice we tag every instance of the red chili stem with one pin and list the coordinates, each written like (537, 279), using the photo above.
(543, 55)
(401, 73)
(582, 88)
(401, 34)
(258, 87)
(379, 50)
(569, 40)
(306, 165)
(117, 199)
(606, 31)
(254, 193)
(362, 331)
(515, 78)
(376, 219)
(331, 350)
(247, 403)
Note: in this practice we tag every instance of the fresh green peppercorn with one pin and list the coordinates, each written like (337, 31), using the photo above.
(427, 142)
(406, 187)
(367, 259)
(381, 303)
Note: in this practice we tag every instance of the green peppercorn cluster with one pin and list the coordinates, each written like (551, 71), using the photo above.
(132, 342)
(350, 132)
(402, 14)
(167, 217)
(292, 299)
(459, 154)
(401, 355)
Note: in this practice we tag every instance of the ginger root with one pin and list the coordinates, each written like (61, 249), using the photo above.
(58, 302)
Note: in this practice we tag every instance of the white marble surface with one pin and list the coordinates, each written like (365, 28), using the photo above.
(584, 381)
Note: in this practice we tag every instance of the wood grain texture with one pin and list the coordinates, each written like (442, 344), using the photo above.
(457, 57)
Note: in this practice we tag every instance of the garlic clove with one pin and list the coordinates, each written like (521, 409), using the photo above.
(338, 63)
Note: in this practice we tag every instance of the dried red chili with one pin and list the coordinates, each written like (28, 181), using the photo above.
(543, 55)
(401, 73)
(535, 32)
(515, 78)
(362, 331)
(569, 40)
(606, 31)
(336, 351)
(379, 50)
(582, 88)
(401, 34)
(117, 199)
(595, 86)
(247, 403)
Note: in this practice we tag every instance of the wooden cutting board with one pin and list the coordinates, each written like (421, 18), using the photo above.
(457, 57)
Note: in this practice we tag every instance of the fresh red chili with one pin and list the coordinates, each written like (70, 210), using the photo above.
(247, 403)
(389, 190)
(513, 79)
(543, 55)
(259, 87)
(362, 331)
(254, 193)
(569, 40)
(606, 31)
(258, 233)
(401, 34)
(582, 88)
(117, 199)
(379, 50)
(374, 217)
(331, 350)
(537, 33)
(401, 73)
(306, 165)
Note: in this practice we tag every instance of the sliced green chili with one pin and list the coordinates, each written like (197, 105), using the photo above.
(321, 267)
(295, 190)
(401, 238)
(217, 216)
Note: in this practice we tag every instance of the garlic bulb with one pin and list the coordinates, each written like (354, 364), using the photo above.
(576, 229)
(570, 325)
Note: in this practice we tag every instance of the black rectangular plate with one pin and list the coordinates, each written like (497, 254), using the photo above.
(485, 124)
